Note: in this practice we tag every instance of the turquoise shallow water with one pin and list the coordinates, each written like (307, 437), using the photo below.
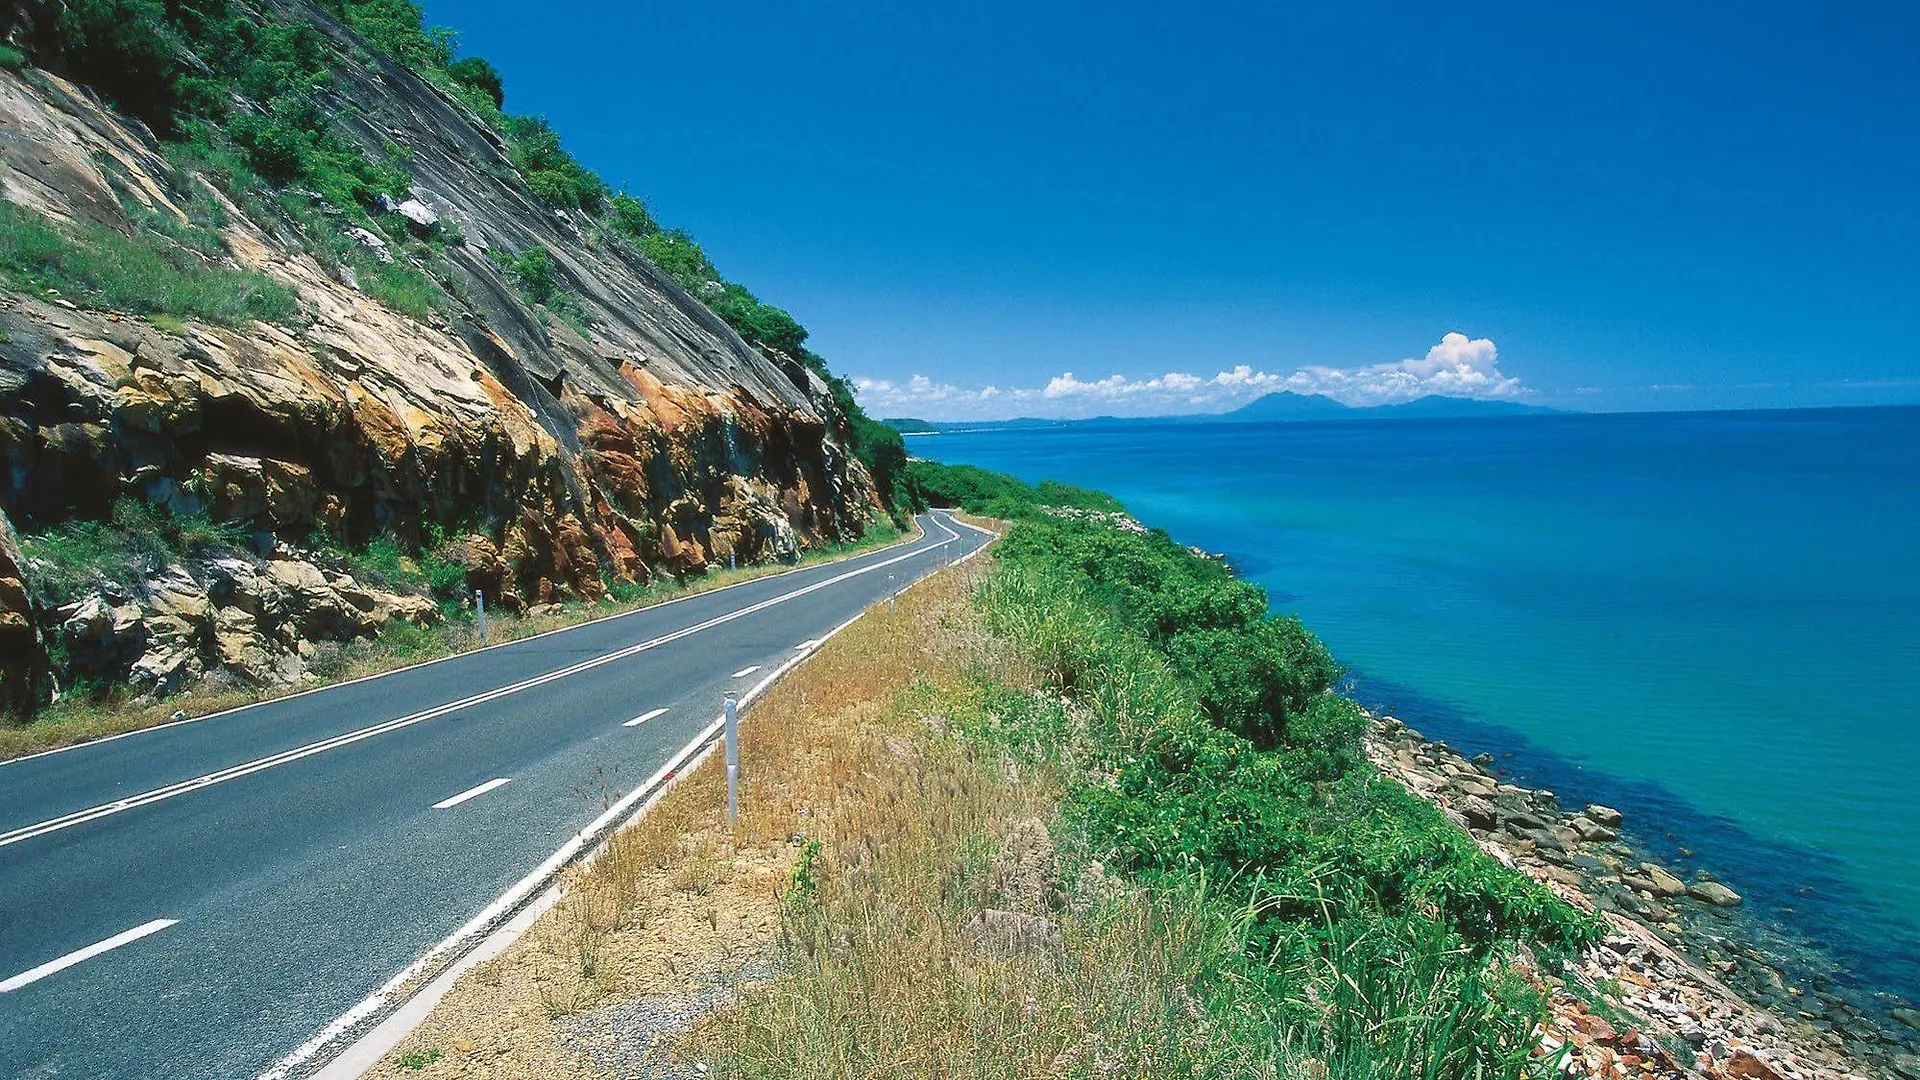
(1709, 620)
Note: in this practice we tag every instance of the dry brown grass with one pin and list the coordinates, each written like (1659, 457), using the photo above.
(71, 722)
(680, 899)
(884, 967)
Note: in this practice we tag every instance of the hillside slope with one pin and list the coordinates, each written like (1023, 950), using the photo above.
(321, 301)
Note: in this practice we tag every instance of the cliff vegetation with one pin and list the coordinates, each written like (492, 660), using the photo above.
(302, 334)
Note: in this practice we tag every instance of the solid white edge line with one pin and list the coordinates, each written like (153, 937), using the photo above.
(473, 792)
(644, 717)
(744, 672)
(471, 652)
(81, 955)
(234, 772)
(373, 1046)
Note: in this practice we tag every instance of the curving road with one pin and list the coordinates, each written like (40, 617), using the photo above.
(202, 899)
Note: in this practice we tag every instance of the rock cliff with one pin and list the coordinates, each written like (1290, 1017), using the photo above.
(631, 434)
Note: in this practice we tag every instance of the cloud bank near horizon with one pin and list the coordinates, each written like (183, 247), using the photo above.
(1458, 366)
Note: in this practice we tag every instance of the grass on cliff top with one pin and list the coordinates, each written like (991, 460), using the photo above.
(97, 711)
(145, 274)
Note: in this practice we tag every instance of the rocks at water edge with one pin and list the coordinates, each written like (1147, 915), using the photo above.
(1676, 953)
(1712, 892)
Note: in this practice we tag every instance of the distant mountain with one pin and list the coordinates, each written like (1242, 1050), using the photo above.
(910, 426)
(1287, 405)
(1435, 405)
(1283, 406)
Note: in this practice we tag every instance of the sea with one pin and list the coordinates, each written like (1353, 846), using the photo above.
(1710, 621)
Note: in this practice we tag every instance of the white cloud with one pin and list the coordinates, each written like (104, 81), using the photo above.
(1458, 366)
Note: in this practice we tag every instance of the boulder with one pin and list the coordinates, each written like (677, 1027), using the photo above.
(1476, 784)
(252, 658)
(1479, 812)
(1604, 815)
(420, 217)
(1662, 882)
(101, 639)
(1592, 831)
(314, 609)
(1747, 1065)
(375, 244)
(1714, 893)
(278, 494)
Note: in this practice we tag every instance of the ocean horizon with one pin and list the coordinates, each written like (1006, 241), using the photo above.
(1708, 620)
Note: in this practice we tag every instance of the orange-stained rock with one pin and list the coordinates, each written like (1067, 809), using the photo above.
(23, 657)
(647, 444)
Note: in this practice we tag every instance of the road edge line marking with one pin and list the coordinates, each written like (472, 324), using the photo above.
(744, 672)
(79, 956)
(473, 792)
(104, 739)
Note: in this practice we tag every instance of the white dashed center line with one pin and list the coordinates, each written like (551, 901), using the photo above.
(473, 792)
(810, 643)
(88, 953)
(744, 672)
(643, 717)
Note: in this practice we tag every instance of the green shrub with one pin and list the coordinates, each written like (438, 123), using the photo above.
(553, 176)
(11, 58)
(395, 28)
(382, 563)
(445, 578)
(533, 269)
(475, 72)
(128, 50)
(99, 268)
(630, 217)
(1253, 681)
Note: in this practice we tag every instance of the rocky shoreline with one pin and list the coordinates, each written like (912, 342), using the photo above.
(1675, 989)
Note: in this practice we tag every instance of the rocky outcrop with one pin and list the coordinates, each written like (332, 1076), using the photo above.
(254, 622)
(639, 436)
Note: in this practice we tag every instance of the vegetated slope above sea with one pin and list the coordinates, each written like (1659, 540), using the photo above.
(1709, 620)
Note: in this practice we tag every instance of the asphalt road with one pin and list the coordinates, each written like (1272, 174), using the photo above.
(220, 890)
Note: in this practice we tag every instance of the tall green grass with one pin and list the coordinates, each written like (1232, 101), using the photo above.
(96, 267)
(136, 543)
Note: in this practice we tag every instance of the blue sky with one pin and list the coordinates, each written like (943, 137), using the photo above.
(1115, 208)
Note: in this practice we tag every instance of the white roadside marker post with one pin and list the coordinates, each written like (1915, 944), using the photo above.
(480, 614)
(733, 760)
(891, 593)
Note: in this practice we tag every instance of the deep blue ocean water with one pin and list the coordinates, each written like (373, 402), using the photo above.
(1711, 621)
